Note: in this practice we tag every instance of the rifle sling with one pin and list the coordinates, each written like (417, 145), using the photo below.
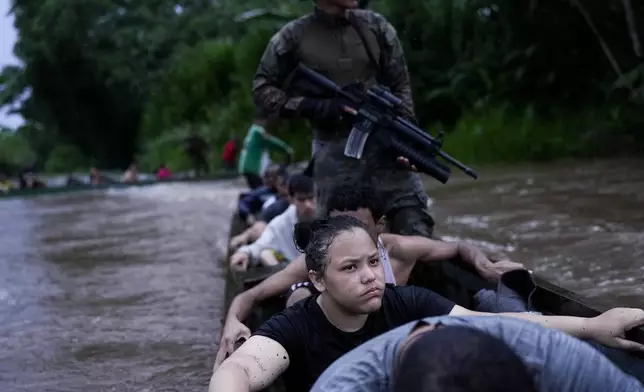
(353, 21)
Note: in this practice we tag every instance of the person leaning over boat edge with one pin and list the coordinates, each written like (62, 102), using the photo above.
(400, 360)
(265, 216)
(278, 235)
(374, 55)
(401, 253)
(355, 305)
(251, 203)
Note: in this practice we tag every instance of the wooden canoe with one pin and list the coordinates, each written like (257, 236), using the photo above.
(452, 279)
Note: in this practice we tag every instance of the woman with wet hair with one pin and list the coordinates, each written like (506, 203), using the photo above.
(355, 305)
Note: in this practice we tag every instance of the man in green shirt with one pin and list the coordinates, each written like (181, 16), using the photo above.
(258, 141)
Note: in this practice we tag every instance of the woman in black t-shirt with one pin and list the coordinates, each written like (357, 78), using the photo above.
(355, 305)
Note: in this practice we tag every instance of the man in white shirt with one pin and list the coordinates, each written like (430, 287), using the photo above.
(278, 235)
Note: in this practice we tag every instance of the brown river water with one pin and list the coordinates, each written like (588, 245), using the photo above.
(121, 290)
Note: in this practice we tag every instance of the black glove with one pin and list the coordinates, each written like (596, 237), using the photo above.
(326, 110)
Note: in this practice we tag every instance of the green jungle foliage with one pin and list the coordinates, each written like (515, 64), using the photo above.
(109, 82)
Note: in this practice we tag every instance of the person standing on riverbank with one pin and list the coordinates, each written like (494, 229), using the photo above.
(131, 175)
(5, 184)
(257, 144)
(375, 55)
(229, 156)
(196, 148)
(164, 172)
(95, 177)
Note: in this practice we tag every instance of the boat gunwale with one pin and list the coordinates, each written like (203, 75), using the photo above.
(548, 298)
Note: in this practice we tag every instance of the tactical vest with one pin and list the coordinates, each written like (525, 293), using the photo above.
(333, 47)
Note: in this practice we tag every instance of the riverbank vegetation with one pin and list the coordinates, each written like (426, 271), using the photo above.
(107, 82)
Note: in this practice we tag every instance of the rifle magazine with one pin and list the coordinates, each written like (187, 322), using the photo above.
(355, 143)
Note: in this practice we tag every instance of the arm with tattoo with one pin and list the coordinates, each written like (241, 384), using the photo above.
(252, 367)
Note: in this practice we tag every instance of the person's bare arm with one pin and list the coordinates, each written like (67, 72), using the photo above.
(264, 241)
(410, 249)
(274, 285)
(242, 305)
(267, 258)
(608, 328)
(249, 235)
(255, 231)
(252, 367)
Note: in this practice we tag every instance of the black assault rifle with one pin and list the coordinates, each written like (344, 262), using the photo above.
(379, 112)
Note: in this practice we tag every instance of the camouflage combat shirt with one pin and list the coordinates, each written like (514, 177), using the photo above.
(331, 46)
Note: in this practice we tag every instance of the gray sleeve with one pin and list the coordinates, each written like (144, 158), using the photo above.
(574, 366)
(364, 369)
(363, 375)
(557, 361)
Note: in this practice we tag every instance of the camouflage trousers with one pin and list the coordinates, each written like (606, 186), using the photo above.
(402, 192)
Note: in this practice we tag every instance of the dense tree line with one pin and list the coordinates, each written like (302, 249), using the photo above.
(106, 82)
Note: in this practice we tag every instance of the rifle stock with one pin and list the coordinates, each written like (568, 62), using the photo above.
(379, 113)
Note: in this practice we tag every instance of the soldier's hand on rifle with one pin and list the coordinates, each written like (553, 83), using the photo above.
(404, 163)
(323, 109)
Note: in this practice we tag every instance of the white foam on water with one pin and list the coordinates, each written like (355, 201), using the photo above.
(224, 192)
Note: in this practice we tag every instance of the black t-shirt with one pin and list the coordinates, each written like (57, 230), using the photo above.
(313, 343)
(276, 208)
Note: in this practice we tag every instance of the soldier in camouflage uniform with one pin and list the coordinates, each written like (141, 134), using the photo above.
(329, 41)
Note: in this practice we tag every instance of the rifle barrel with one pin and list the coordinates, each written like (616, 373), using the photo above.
(317, 78)
(467, 170)
(399, 122)
(418, 134)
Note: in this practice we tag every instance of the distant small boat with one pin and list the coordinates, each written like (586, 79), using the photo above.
(76, 184)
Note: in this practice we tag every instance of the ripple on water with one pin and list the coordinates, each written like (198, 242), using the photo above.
(113, 290)
(581, 227)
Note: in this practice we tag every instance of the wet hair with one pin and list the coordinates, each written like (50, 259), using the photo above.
(299, 183)
(460, 359)
(314, 238)
(274, 169)
(352, 198)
